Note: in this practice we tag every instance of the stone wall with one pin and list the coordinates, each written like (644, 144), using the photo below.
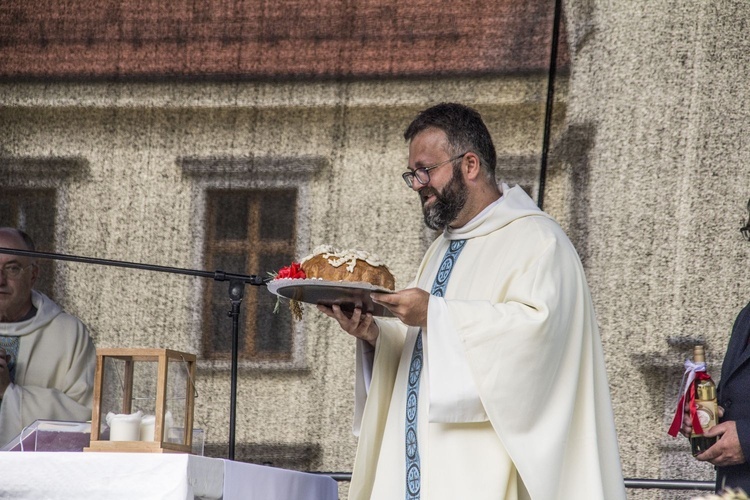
(656, 166)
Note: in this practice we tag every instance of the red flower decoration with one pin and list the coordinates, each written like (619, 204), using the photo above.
(293, 271)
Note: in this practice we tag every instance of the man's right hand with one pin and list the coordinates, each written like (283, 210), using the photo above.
(4, 374)
(726, 450)
(358, 325)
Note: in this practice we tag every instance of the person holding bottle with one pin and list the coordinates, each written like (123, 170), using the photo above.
(732, 449)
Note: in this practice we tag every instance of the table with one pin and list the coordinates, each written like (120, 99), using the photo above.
(146, 476)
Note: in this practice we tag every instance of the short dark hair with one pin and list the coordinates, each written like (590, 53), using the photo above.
(464, 128)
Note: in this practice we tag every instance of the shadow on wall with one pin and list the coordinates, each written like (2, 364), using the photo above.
(570, 157)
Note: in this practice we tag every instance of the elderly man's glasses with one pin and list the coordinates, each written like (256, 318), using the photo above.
(423, 174)
(12, 271)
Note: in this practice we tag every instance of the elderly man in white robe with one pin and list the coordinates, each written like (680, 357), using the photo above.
(47, 359)
(490, 384)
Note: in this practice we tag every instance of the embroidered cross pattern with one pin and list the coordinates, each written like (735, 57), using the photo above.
(413, 469)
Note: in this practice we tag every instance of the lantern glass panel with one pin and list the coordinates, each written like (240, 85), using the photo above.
(145, 378)
(113, 390)
(128, 387)
(178, 385)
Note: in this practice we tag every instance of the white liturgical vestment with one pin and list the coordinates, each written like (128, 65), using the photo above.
(55, 367)
(513, 399)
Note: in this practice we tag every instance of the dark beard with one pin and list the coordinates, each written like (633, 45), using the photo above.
(448, 204)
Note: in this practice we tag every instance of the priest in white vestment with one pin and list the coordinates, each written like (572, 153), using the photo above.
(490, 384)
(47, 358)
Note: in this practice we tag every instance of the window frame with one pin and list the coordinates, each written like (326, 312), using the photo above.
(248, 173)
(253, 199)
(43, 173)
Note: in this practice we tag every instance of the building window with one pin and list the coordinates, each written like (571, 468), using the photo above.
(251, 216)
(249, 231)
(33, 211)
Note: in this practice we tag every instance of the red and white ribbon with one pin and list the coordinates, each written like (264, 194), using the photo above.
(693, 371)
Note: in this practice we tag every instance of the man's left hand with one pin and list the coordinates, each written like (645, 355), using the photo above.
(409, 305)
(727, 450)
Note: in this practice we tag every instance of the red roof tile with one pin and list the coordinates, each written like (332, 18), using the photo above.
(262, 39)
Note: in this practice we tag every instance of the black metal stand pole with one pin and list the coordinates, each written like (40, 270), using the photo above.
(237, 284)
(236, 292)
(550, 101)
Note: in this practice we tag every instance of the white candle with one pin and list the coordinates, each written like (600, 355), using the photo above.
(124, 427)
(147, 428)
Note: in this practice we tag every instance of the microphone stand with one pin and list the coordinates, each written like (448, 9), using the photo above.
(237, 284)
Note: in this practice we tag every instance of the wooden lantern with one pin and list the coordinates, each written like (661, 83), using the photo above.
(159, 383)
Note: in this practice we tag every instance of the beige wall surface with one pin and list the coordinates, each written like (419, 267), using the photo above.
(134, 201)
(660, 166)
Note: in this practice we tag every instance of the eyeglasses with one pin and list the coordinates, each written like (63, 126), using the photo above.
(12, 271)
(423, 174)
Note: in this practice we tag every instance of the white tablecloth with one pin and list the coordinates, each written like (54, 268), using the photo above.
(256, 482)
(146, 476)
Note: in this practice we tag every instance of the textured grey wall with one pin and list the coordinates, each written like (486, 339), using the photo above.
(655, 162)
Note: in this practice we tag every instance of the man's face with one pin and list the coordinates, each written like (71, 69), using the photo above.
(15, 293)
(444, 197)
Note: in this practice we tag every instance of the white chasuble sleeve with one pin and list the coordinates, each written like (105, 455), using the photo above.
(537, 361)
(365, 360)
(376, 367)
(453, 394)
(372, 407)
